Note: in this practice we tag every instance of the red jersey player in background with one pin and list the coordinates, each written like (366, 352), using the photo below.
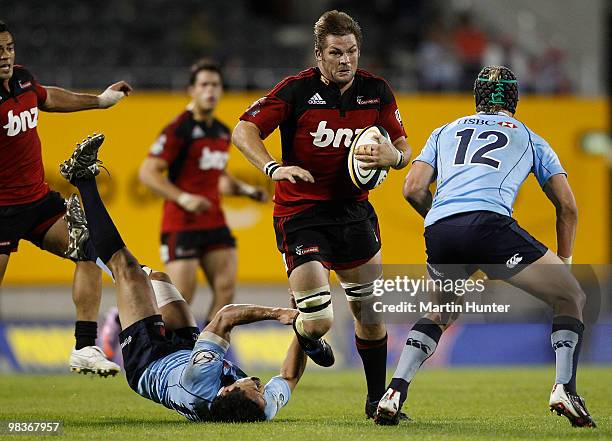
(322, 221)
(28, 208)
(186, 166)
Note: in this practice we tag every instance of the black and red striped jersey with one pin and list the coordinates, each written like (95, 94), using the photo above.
(22, 176)
(317, 124)
(197, 154)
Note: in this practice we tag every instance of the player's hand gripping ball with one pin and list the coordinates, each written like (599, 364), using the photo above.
(362, 174)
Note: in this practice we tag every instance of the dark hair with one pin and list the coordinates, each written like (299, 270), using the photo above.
(203, 64)
(3, 27)
(235, 407)
(335, 23)
(495, 89)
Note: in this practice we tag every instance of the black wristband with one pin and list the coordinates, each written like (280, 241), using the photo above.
(270, 168)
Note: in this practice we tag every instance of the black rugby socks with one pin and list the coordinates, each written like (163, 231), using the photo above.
(373, 354)
(85, 333)
(102, 231)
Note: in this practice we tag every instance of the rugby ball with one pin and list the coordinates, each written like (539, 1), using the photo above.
(362, 178)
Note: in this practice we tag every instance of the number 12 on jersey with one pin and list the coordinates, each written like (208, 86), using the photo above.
(479, 156)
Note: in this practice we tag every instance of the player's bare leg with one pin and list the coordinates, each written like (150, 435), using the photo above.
(551, 281)
(175, 311)
(220, 267)
(309, 285)
(183, 273)
(86, 357)
(135, 298)
(4, 259)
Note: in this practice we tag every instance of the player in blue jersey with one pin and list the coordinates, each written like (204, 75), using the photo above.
(167, 359)
(479, 163)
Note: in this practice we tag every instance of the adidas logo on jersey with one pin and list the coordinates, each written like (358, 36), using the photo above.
(28, 119)
(197, 132)
(316, 99)
(513, 261)
(325, 137)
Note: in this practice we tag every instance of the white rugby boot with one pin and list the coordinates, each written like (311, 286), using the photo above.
(570, 406)
(91, 359)
(388, 411)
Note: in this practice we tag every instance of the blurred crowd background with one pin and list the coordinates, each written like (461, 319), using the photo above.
(554, 46)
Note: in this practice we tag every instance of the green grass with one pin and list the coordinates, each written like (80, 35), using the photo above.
(459, 404)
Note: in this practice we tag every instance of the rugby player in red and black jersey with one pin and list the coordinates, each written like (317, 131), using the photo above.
(186, 166)
(322, 221)
(28, 208)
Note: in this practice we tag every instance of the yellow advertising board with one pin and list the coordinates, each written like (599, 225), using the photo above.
(132, 126)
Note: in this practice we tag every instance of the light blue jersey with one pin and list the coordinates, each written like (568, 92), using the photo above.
(187, 380)
(481, 161)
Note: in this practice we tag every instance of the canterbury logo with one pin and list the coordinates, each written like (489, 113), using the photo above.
(325, 137)
(316, 99)
(563, 344)
(126, 342)
(418, 344)
(28, 119)
(513, 261)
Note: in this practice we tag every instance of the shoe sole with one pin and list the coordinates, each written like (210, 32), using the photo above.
(561, 410)
(95, 141)
(100, 372)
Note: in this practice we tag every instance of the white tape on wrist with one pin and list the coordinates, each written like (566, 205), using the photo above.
(109, 98)
(165, 293)
(184, 199)
(566, 260)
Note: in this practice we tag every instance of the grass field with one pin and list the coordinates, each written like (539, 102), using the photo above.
(459, 404)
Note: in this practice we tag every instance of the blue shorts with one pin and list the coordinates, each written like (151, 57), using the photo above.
(460, 244)
(147, 340)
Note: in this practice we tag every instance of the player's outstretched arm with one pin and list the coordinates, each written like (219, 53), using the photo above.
(152, 174)
(416, 187)
(558, 190)
(294, 365)
(62, 100)
(240, 314)
(246, 137)
(231, 186)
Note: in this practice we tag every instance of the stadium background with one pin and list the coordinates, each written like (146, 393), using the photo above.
(428, 50)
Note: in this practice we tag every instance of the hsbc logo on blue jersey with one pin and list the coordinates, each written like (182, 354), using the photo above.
(325, 137)
(28, 119)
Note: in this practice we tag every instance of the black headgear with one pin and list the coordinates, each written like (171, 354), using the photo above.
(496, 88)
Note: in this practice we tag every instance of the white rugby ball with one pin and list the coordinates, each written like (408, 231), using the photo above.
(362, 178)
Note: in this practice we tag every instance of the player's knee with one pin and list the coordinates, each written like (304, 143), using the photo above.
(574, 298)
(316, 328)
(125, 266)
(316, 312)
(160, 276)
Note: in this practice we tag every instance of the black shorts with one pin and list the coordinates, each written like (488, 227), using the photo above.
(340, 235)
(465, 242)
(194, 244)
(147, 340)
(29, 221)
